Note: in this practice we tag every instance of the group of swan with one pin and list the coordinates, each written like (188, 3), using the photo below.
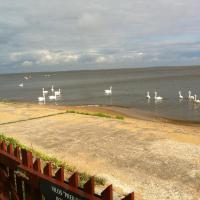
(51, 97)
(108, 91)
(190, 97)
(156, 97)
(26, 78)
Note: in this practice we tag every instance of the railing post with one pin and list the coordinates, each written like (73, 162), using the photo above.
(17, 152)
(10, 149)
(27, 158)
(3, 146)
(37, 165)
(60, 174)
(89, 186)
(11, 171)
(48, 170)
(73, 180)
(107, 194)
(129, 196)
(35, 192)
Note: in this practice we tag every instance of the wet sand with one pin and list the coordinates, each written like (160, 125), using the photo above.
(154, 157)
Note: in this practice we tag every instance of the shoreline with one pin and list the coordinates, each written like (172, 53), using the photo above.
(162, 67)
(126, 112)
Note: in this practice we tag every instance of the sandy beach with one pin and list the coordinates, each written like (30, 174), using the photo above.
(157, 159)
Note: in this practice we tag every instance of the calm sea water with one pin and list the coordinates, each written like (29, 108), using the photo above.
(129, 89)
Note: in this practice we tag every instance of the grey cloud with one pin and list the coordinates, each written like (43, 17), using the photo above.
(123, 33)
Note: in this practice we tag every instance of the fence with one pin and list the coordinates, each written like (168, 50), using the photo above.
(32, 183)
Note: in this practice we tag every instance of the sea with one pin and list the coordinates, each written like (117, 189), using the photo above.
(129, 88)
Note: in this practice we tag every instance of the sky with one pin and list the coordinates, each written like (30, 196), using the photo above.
(52, 35)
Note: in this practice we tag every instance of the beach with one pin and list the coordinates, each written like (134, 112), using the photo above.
(157, 158)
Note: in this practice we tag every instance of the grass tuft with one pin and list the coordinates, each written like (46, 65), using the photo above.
(99, 114)
(119, 117)
(99, 180)
(84, 177)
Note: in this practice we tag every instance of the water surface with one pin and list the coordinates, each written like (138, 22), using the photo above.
(129, 89)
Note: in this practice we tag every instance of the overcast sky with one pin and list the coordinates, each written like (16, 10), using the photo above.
(43, 35)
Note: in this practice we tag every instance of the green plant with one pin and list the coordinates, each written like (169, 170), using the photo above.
(99, 180)
(70, 111)
(119, 117)
(84, 177)
(99, 114)
(102, 115)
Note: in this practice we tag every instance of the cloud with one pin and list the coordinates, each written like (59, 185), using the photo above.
(52, 58)
(46, 56)
(43, 57)
(27, 63)
(81, 34)
(106, 59)
(100, 59)
(133, 55)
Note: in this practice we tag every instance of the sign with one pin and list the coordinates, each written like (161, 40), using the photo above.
(55, 192)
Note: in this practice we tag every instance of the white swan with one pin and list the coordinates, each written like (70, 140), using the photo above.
(108, 92)
(44, 91)
(58, 92)
(180, 95)
(21, 85)
(190, 96)
(52, 88)
(148, 95)
(157, 97)
(195, 99)
(41, 98)
(53, 97)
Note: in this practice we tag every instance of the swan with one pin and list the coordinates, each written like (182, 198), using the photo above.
(44, 91)
(42, 98)
(58, 92)
(52, 89)
(108, 92)
(157, 97)
(180, 95)
(148, 95)
(21, 85)
(195, 99)
(25, 77)
(189, 95)
(53, 97)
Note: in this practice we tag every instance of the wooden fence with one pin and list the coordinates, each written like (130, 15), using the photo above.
(26, 178)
